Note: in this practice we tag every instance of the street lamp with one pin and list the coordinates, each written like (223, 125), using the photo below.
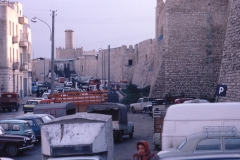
(52, 47)
(35, 21)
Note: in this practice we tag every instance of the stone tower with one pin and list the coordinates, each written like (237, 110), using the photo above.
(69, 39)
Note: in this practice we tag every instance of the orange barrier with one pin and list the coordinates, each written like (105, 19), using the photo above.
(46, 101)
(80, 99)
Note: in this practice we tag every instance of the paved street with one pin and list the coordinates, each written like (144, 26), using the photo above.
(123, 151)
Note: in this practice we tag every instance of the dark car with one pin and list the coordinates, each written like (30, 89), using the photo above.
(19, 127)
(14, 144)
(59, 88)
(35, 121)
(34, 89)
(220, 142)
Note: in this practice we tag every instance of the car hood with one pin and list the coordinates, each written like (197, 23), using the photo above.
(11, 136)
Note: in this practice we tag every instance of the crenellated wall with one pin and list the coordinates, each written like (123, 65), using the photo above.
(68, 53)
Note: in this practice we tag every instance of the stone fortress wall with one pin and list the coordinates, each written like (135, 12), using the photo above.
(192, 46)
(230, 64)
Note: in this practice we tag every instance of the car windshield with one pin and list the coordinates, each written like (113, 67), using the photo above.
(46, 119)
(182, 144)
(29, 121)
(32, 102)
(1, 131)
(39, 121)
(26, 126)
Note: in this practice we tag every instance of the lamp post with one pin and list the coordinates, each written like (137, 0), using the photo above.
(52, 47)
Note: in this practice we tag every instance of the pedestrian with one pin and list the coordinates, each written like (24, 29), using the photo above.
(38, 93)
(144, 153)
(41, 92)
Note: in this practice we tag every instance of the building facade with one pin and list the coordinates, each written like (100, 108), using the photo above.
(15, 49)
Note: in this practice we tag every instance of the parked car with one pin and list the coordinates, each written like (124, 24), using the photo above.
(45, 95)
(34, 89)
(39, 83)
(13, 144)
(35, 120)
(28, 107)
(19, 127)
(61, 79)
(197, 101)
(182, 100)
(69, 84)
(59, 88)
(213, 142)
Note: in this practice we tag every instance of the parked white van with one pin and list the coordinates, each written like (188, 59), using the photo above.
(182, 120)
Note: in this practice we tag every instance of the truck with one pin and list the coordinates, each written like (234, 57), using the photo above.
(141, 103)
(55, 109)
(9, 101)
(121, 125)
(80, 136)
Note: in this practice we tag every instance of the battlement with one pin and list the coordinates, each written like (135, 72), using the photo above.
(62, 48)
(146, 42)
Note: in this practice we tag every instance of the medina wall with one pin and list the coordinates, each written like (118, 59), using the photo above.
(193, 45)
(69, 53)
(230, 67)
(86, 65)
(145, 66)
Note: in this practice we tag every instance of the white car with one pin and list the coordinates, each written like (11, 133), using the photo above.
(45, 95)
(69, 84)
(197, 101)
(39, 83)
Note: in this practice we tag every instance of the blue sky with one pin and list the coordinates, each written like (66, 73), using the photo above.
(96, 23)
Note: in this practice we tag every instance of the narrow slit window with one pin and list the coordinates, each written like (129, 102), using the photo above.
(129, 62)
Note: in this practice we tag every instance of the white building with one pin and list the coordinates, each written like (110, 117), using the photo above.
(15, 49)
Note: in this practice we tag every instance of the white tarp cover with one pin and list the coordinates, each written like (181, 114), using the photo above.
(72, 134)
(81, 128)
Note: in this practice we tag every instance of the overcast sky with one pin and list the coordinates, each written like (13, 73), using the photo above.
(96, 23)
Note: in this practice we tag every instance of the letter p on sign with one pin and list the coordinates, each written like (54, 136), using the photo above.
(221, 90)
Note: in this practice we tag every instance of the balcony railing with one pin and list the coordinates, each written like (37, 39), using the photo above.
(23, 40)
(15, 39)
(15, 65)
(24, 67)
(23, 43)
(22, 20)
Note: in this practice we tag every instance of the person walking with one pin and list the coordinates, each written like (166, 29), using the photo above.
(143, 152)
(38, 93)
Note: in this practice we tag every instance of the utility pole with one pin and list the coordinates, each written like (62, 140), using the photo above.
(44, 72)
(52, 54)
(108, 68)
(104, 70)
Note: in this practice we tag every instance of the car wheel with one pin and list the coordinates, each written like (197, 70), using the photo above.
(11, 150)
(131, 135)
(133, 110)
(17, 107)
(120, 137)
(10, 109)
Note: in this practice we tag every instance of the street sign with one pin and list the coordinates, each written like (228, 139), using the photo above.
(221, 90)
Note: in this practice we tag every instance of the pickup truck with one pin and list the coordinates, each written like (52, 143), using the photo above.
(121, 125)
(141, 103)
(9, 101)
